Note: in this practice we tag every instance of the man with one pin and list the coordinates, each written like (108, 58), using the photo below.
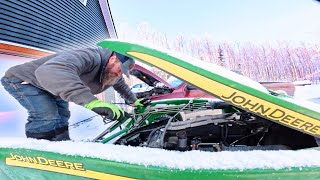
(45, 86)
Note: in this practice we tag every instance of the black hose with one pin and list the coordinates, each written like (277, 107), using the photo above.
(152, 133)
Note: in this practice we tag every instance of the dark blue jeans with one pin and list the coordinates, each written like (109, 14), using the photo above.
(47, 114)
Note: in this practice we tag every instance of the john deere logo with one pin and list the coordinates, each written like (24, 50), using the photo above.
(58, 166)
(45, 162)
(277, 113)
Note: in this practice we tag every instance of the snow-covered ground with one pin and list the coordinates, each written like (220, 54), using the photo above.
(171, 159)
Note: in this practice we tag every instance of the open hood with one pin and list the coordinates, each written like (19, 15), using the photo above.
(235, 89)
(147, 76)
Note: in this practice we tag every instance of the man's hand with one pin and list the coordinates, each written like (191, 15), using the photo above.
(108, 110)
(142, 102)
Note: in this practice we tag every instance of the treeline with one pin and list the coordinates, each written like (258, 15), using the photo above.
(280, 61)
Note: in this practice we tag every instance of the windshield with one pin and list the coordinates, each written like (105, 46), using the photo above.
(175, 82)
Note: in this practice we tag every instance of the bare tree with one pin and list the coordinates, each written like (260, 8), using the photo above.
(282, 61)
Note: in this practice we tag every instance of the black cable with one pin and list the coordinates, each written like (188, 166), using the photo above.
(83, 121)
(258, 131)
(225, 136)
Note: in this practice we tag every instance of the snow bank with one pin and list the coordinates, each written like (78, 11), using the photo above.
(172, 159)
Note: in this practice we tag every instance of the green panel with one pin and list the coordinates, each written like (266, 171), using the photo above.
(127, 171)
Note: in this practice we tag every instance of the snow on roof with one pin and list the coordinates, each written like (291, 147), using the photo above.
(172, 159)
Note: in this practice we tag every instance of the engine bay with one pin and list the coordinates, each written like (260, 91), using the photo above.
(228, 131)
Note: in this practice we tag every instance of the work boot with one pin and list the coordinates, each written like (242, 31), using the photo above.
(62, 134)
(41, 135)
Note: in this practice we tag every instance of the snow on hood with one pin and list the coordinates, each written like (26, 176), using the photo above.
(172, 159)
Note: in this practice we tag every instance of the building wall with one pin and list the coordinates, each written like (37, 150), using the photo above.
(35, 28)
(53, 25)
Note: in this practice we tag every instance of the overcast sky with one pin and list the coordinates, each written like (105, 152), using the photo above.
(228, 20)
